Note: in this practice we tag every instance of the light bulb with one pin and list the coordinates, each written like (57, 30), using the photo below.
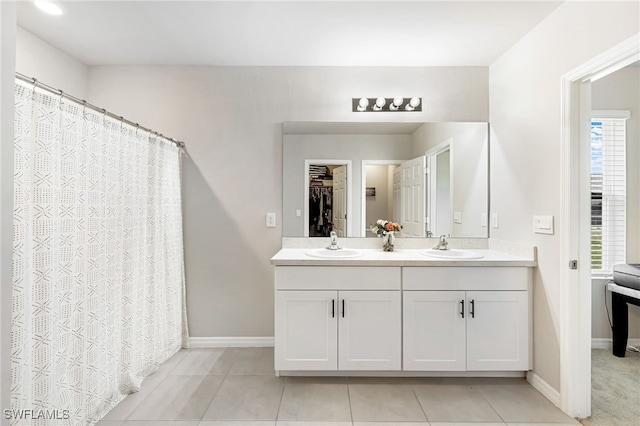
(413, 104)
(397, 101)
(380, 102)
(363, 103)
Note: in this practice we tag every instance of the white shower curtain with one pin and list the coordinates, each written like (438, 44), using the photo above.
(98, 276)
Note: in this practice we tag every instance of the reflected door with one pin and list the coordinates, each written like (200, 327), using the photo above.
(340, 201)
(412, 185)
(397, 195)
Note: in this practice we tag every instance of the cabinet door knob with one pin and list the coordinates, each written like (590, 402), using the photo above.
(462, 308)
(473, 308)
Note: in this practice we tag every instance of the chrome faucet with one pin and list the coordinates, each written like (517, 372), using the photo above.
(443, 244)
(334, 241)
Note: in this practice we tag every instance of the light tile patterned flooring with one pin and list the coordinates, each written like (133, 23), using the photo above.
(237, 387)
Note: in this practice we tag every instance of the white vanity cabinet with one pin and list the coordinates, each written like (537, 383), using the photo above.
(337, 318)
(466, 319)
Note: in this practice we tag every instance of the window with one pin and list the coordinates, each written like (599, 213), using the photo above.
(608, 190)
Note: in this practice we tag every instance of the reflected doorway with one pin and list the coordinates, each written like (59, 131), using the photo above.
(327, 194)
(381, 194)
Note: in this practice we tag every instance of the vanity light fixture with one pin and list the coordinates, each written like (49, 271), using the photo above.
(397, 104)
(49, 7)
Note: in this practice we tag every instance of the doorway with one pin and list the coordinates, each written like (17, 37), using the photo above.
(575, 318)
(328, 198)
(380, 193)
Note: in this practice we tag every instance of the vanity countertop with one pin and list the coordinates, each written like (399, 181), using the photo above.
(399, 257)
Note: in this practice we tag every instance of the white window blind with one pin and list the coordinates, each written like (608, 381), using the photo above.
(608, 192)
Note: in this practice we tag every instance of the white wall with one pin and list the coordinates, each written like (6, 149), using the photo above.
(38, 59)
(7, 84)
(621, 91)
(525, 117)
(231, 120)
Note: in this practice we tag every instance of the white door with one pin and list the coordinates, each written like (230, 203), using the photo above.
(397, 199)
(497, 330)
(369, 330)
(340, 201)
(413, 197)
(306, 325)
(434, 330)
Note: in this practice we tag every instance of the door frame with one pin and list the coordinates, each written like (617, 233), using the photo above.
(575, 294)
(330, 162)
(431, 199)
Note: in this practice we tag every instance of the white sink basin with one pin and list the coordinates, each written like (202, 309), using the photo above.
(453, 254)
(334, 254)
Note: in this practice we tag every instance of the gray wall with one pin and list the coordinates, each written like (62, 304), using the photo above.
(231, 119)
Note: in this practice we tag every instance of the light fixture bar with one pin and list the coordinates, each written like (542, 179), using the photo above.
(396, 104)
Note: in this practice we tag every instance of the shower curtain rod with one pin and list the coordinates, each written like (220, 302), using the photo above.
(84, 103)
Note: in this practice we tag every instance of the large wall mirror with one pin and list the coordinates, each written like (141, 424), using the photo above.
(433, 178)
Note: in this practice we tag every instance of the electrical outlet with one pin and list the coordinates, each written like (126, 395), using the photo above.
(271, 220)
(483, 220)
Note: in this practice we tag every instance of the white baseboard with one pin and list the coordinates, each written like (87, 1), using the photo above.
(230, 342)
(605, 343)
(544, 388)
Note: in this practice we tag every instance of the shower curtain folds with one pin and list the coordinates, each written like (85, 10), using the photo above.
(98, 281)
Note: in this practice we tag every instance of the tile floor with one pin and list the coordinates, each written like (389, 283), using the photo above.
(237, 387)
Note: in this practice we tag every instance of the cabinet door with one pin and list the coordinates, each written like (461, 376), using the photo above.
(497, 331)
(434, 331)
(369, 330)
(306, 330)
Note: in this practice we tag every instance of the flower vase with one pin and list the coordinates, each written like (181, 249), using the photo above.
(388, 239)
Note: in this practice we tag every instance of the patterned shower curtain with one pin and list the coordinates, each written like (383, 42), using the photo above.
(98, 271)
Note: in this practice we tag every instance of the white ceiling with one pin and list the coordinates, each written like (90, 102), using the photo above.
(287, 33)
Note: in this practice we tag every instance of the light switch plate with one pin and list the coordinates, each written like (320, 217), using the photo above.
(483, 220)
(543, 224)
(271, 220)
(494, 220)
(457, 217)
(298, 212)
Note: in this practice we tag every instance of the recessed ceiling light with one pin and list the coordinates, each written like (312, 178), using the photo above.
(49, 7)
